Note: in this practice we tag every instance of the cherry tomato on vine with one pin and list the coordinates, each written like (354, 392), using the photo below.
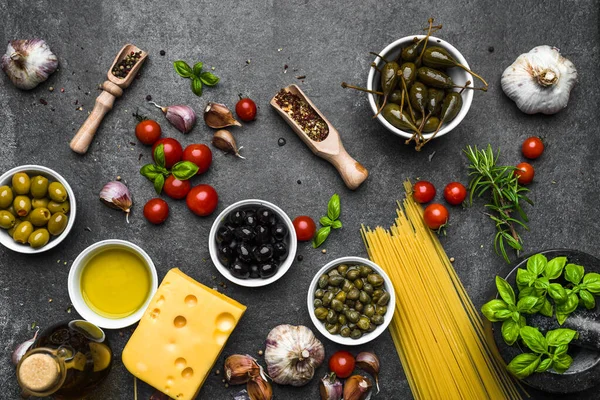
(525, 172)
(200, 155)
(173, 151)
(246, 109)
(435, 216)
(342, 363)
(148, 131)
(532, 148)
(156, 211)
(305, 228)
(202, 200)
(455, 193)
(176, 189)
(423, 192)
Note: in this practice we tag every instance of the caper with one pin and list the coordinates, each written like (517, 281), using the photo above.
(376, 295)
(319, 293)
(364, 297)
(342, 319)
(6, 196)
(318, 303)
(356, 334)
(327, 297)
(333, 272)
(341, 296)
(57, 192)
(363, 323)
(337, 305)
(350, 303)
(334, 329)
(384, 299)
(351, 325)
(369, 310)
(39, 216)
(55, 207)
(21, 183)
(57, 223)
(22, 205)
(37, 203)
(347, 286)
(39, 187)
(342, 269)
(353, 274)
(377, 319)
(372, 327)
(353, 316)
(22, 232)
(323, 279)
(359, 283)
(353, 294)
(331, 317)
(381, 310)
(367, 287)
(333, 289)
(345, 309)
(321, 313)
(7, 220)
(358, 306)
(336, 280)
(39, 238)
(375, 279)
(345, 332)
(365, 271)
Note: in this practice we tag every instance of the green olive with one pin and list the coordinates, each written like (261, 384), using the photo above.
(356, 334)
(39, 216)
(377, 319)
(375, 279)
(22, 232)
(321, 313)
(21, 183)
(11, 231)
(353, 294)
(384, 299)
(37, 203)
(336, 280)
(365, 271)
(6, 197)
(57, 223)
(318, 303)
(337, 305)
(367, 287)
(369, 310)
(327, 297)
(341, 297)
(319, 293)
(358, 306)
(342, 319)
(323, 281)
(7, 220)
(39, 238)
(331, 317)
(364, 297)
(359, 283)
(345, 332)
(334, 329)
(363, 323)
(57, 192)
(39, 187)
(353, 274)
(342, 269)
(22, 205)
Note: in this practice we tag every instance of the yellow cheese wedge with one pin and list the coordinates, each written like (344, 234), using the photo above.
(181, 335)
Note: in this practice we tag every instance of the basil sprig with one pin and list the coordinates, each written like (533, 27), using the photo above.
(195, 74)
(157, 173)
(330, 221)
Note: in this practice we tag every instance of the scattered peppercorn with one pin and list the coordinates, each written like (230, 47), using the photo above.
(148, 98)
(324, 251)
(300, 257)
(122, 69)
(451, 259)
(299, 182)
(491, 49)
(281, 142)
(51, 89)
(162, 52)
(119, 178)
(300, 111)
(260, 353)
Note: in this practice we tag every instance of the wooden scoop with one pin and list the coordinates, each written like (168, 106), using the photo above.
(330, 149)
(113, 88)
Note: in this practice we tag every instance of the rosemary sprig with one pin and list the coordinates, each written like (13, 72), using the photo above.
(506, 194)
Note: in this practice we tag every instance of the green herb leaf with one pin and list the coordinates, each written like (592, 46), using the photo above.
(209, 79)
(554, 268)
(562, 362)
(560, 349)
(321, 236)
(530, 291)
(526, 304)
(334, 207)
(524, 278)
(547, 308)
(159, 155)
(198, 69)
(568, 306)
(561, 317)
(544, 365)
(541, 283)
(588, 299)
(534, 339)
(184, 170)
(491, 309)
(325, 221)
(536, 264)
(159, 182)
(196, 86)
(150, 171)
(337, 224)
(592, 282)
(524, 365)
(183, 69)
(505, 290)
(516, 316)
(510, 331)
(574, 273)
(560, 336)
(557, 292)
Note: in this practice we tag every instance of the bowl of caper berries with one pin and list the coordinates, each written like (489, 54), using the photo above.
(351, 300)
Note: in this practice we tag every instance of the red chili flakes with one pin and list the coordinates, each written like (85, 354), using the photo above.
(300, 111)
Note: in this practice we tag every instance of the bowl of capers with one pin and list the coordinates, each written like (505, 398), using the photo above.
(351, 300)
(37, 209)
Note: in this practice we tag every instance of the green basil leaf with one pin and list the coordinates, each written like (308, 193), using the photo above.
(209, 79)
(536, 264)
(547, 308)
(524, 365)
(505, 290)
(184, 170)
(198, 69)
(588, 299)
(560, 336)
(526, 304)
(529, 291)
(510, 331)
(159, 182)
(554, 268)
(557, 292)
(491, 308)
(538, 305)
(183, 69)
(196, 86)
(544, 365)
(502, 315)
(562, 362)
(534, 339)
(541, 283)
(560, 349)
(325, 221)
(574, 273)
(523, 278)
(334, 207)
(592, 282)
(150, 171)
(516, 316)
(568, 306)
(561, 317)
(337, 224)
(159, 155)
(321, 236)
(522, 322)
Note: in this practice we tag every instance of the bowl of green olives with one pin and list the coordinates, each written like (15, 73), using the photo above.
(37, 209)
(351, 300)
(427, 80)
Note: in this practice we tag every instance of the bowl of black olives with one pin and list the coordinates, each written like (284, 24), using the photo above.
(252, 243)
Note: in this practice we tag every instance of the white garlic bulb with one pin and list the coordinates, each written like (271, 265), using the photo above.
(540, 81)
(28, 62)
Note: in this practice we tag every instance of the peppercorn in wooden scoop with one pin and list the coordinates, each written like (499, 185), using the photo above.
(318, 133)
(120, 75)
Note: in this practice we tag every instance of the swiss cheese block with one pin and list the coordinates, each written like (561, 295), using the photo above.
(181, 335)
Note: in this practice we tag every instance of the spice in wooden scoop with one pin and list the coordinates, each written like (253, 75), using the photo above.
(300, 111)
(121, 70)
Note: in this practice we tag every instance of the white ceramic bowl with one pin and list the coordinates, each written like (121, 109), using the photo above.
(34, 170)
(291, 242)
(387, 286)
(458, 75)
(74, 284)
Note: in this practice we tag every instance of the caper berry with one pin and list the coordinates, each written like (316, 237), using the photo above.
(341, 296)
(334, 329)
(364, 297)
(331, 317)
(363, 323)
(356, 334)
(353, 294)
(359, 283)
(342, 269)
(345, 331)
(318, 303)
(375, 279)
(353, 274)
(321, 313)
(323, 279)
(369, 310)
(337, 305)
(384, 299)
(367, 287)
(319, 293)
(342, 319)
(377, 319)
(336, 280)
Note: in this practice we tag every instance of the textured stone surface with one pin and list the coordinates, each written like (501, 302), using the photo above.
(329, 44)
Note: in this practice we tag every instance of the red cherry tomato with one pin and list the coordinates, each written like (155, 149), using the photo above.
(455, 193)
(525, 172)
(305, 228)
(200, 155)
(173, 151)
(533, 147)
(176, 189)
(156, 211)
(435, 216)
(202, 200)
(246, 109)
(423, 192)
(342, 363)
(148, 131)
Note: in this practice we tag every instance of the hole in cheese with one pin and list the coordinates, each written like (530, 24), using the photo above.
(225, 322)
(187, 373)
(155, 313)
(160, 301)
(170, 381)
(179, 321)
(180, 363)
(191, 300)
(220, 338)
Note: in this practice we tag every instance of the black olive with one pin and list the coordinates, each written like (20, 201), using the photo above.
(262, 234)
(254, 271)
(234, 244)
(280, 250)
(273, 220)
(244, 252)
(240, 269)
(224, 234)
(244, 233)
(225, 255)
(264, 252)
(279, 232)
(251, 220)
(268, 269)
(237, 217)
(264, 214)
(251, 211)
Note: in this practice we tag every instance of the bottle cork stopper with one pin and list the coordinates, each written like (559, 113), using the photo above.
(39, 372)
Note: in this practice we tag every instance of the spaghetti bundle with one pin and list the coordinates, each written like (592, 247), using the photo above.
(437, 331)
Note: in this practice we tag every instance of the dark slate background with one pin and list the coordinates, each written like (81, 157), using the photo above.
(329, 43)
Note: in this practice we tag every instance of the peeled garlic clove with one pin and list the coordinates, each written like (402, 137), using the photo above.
(259, 389)
(239, 369)
(116, 195)
(369, 363)
(330, 387)
(180, 116)
(22, 349)
(217, 115)
(28, 62)
(357, 388)
(223, 140)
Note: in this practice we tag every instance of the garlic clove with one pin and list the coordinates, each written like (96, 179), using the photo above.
(239, 369)
(28, 62)
(182, 117)
(330, 387)
(217, 116)
(224, 140)
(116, 195)
(21, 349)
(369, 363)
(259, 389)
(357, 388)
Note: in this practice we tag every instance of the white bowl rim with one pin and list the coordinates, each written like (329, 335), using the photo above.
(467, 99)
(369, 336)
(25, 249)
(283, 268)
(74, 286)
